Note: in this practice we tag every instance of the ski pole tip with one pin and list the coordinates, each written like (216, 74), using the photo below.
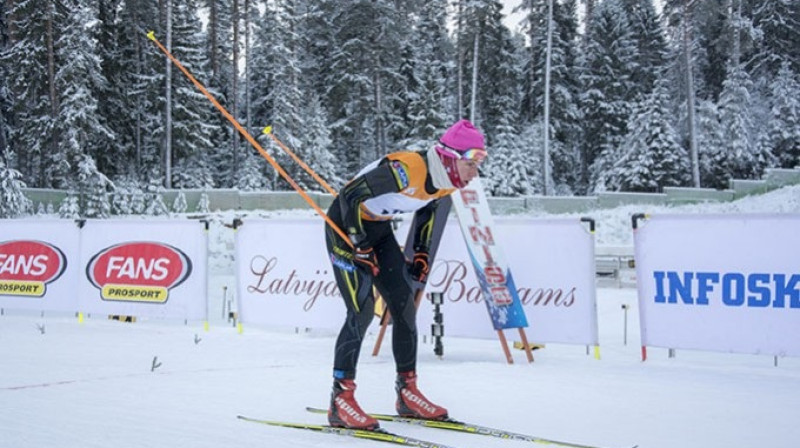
(267, 130)
(151, 35)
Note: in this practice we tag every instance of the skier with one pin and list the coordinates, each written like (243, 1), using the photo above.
(400, 182)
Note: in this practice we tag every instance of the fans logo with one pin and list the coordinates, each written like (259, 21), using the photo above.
(138, 272)
(26, 267)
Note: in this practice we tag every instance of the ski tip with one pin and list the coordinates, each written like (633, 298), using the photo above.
(151, 35)
(267, 130)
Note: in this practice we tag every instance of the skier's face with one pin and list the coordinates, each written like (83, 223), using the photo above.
(467, 170)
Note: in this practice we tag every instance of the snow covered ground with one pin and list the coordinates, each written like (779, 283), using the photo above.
(70, 385)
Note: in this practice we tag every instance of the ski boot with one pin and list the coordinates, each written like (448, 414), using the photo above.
(411, 402)
(344, 411)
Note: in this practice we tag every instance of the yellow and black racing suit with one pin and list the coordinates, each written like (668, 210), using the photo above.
(398, 183)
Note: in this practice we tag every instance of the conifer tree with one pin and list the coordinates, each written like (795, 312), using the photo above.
(778, 25)
(425, 70)
(70, 207)
(122, 197)
(13, 202)
(512, 173)
(286, 94)
(499, 74)
(609, 90)
(203, 206)
(716, 165)
(262, 66)
(783, 131)
(219, 50)
(749, 157)
(141, 132)
(708, 23)
(316, 141)
(5, 94)
(361, 75)
(94, 189)
(179, 205)
(251, 175)
(154, 201)
(138, 202)
(113, 161)
(81, 127)
(192, 115)
(650, 43)
(564, 87)
(534, 26)
(29, 61)
(468, 19)
(651, 158)
(320, 29)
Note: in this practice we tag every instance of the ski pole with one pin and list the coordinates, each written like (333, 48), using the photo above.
(321, 181)
(152, 36)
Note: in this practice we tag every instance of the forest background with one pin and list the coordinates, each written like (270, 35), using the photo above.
(692, 93)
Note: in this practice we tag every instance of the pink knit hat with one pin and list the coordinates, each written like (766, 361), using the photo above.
(463, 136)
(461, 141)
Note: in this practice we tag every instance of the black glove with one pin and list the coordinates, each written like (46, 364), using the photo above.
(365, 257)
(419, 266)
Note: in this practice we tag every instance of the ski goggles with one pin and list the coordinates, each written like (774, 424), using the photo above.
(476, 155)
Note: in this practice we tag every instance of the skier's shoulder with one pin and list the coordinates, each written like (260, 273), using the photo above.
(410, 164)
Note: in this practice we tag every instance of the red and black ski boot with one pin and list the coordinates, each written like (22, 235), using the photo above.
(344, 411)
(411, 402)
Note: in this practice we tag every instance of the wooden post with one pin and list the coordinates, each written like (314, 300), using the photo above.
(525, 344)
(504, 343)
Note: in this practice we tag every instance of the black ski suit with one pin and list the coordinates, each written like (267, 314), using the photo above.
(397, 183)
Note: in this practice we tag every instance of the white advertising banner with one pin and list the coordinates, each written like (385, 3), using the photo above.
(728, 283)
(284, 275)
(144, 268)
(553, 265)
(284, 279)
(39, 265)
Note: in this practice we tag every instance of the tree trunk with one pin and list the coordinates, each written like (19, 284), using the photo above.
(10, 20)
(474, 78)
(168, 101)
(3, 120)
(235, 91)
(736, 54)
(213, 27)
(460, 63)
(687, 55)
(546, 129)
(51, 79)
(247, 107)
(532, 73)
(379, 132)
(588, 19)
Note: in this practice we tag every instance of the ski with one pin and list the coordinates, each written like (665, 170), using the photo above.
(455, 425)
(378, 435)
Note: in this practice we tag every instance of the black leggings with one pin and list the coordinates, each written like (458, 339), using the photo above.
(394, 284)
